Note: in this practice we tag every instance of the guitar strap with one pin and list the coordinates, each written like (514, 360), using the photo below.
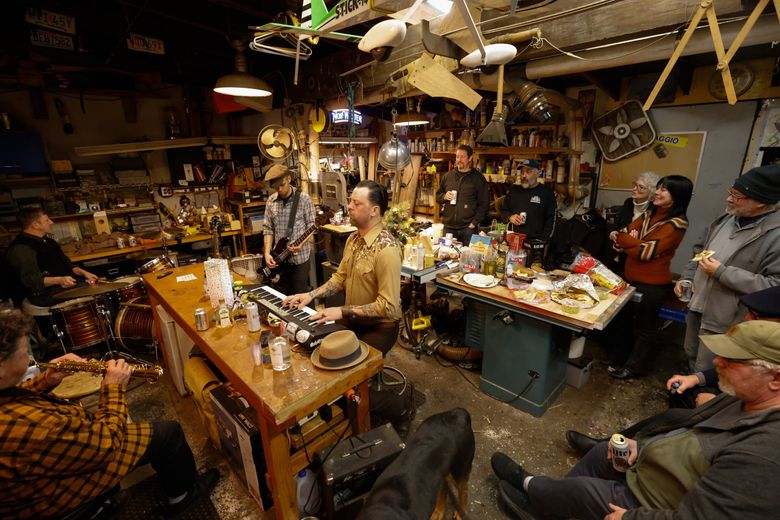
(293, 211)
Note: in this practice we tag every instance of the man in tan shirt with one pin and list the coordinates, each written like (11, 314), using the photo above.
(369, 274)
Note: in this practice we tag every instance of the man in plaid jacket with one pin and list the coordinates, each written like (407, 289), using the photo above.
(55, 456)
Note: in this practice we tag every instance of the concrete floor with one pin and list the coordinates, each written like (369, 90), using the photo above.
(602, 406)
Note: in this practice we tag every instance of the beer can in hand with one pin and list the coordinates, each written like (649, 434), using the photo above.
(618, 445)
(686, 290)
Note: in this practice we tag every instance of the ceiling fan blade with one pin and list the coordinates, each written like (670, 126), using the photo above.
(267, 137)
(283, 138)
(606, 130)
(614, 145)
(634, 140)
(621, 116)
(636, 123)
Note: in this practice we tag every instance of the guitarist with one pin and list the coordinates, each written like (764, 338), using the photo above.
(288, 213)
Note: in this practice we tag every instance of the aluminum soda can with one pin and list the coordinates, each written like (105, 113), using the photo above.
(686, 290)
(201, 319)
(252, 316)
(620, 452)
(120, 243)
(132, 241)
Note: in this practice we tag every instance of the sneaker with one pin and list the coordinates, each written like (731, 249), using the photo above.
(514, 501)
(204, 484)
(507, 469)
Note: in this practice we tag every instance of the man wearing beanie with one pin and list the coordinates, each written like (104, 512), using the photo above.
(746, 242)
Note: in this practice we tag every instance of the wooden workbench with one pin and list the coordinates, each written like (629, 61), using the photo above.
(279, 398)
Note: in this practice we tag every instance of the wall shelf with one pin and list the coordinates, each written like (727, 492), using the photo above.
(140, 146)
(109, 213)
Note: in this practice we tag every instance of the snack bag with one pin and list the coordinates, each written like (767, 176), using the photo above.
(599, 273)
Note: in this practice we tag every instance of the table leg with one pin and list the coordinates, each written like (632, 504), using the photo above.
(277, 458)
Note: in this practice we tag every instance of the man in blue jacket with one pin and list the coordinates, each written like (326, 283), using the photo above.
(716, 461)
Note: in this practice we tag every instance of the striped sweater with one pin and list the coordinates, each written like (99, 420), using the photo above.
(649, 256)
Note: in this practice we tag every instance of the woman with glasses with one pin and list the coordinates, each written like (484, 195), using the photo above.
(633, 206)
(649, 243)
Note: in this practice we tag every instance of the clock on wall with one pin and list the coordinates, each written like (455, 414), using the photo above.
(741, 75)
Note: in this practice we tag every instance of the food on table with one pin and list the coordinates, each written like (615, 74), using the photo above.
(531, 295)
(573, 299)
(537, 268)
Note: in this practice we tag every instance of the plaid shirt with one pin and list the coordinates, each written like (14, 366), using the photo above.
(55, 455)
(277, 216)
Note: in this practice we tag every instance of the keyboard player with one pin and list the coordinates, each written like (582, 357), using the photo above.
(369, 274)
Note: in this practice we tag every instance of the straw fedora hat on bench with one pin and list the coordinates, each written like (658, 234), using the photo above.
(339, 350)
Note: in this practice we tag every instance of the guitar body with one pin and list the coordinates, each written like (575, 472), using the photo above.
(280, 255)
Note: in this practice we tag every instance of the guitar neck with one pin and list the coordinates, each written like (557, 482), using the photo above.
(285, 252)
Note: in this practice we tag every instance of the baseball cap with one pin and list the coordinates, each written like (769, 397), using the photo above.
(531, 163)
(755, 339)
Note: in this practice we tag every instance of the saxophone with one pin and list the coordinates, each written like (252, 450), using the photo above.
(150, 373)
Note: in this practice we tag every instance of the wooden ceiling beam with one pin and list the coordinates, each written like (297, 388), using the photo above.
(607, 82)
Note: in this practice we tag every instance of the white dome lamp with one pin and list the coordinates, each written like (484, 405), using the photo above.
(382, 38)
(492, 54)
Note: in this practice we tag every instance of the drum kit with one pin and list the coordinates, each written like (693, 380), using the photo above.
(116, 312)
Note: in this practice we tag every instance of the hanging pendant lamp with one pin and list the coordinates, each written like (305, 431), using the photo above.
(240, 82)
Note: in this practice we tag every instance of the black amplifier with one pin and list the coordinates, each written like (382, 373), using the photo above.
(352, 467)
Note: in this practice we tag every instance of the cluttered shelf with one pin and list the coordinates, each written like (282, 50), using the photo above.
(109, 212)
(151, 244)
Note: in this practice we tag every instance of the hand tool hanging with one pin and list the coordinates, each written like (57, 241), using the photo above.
(67, 127)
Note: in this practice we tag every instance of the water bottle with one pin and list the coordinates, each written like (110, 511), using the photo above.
(280, 354)
(308, 493)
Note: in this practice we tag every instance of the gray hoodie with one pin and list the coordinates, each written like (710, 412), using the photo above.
(754, 265)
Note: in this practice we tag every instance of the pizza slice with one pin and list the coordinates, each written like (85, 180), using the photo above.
(706, 253)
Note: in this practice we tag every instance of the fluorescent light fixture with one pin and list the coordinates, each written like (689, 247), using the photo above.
(411, 119)
(240, 82)
(443, 6)
(347, 140)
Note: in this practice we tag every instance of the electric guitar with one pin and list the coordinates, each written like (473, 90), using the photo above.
(281, 253)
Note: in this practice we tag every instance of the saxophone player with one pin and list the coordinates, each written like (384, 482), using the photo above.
(48, 444)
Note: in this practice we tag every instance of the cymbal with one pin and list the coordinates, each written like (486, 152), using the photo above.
(89, 290)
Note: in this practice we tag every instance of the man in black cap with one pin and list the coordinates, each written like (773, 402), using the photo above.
(289, 213)
(530, 206)
(717, 461)
(746, 245)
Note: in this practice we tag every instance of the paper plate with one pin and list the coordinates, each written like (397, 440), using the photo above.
(483, 281)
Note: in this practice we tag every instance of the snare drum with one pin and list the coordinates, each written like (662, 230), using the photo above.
(134, 326)
(156, 264)
(135, 288)
(79, 322)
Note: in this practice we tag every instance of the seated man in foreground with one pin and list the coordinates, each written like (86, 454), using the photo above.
(56, 456)
(716, 461)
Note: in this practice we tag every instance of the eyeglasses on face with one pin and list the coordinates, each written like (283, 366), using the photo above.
(734, 194)
(639, 187)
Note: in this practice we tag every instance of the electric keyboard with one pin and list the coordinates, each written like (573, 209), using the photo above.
(296, 324)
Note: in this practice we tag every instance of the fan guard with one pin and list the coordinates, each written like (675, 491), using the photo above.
(247, 266)
(623, 131)
(276, 142)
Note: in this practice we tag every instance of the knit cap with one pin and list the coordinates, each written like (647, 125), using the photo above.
(761, 184)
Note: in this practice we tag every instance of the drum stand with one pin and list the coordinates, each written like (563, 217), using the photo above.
(115, 353)
(105, 313)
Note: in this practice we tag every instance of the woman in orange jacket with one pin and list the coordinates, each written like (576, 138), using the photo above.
(649, 243)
